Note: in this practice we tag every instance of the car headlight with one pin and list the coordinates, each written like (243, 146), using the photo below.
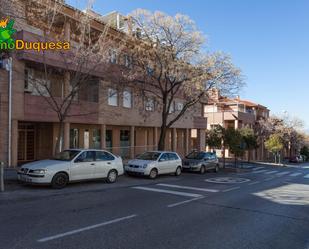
(145, 166)
(38, 171)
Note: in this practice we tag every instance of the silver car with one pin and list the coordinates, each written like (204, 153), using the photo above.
(200, 161)
(72, 165)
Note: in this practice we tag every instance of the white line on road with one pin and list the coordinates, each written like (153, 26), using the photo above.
(282, 173)
(252, 183)
(169, 192)
(306, 176)
(184, 202)
(188, 187)
(230, 189)
(258, 168)
(259, 171)
(86, 228)
(296, 174)
(271, 172)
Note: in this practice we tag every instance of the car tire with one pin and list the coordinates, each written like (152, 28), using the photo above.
(153, 174)
(178, 171)
(202, 170)
(112, 176)
(216, 170)
(59, 181)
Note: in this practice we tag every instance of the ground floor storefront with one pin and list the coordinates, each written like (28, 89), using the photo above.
(37, 140)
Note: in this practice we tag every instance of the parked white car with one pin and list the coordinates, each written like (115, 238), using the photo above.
(72, 165)
(154, 163)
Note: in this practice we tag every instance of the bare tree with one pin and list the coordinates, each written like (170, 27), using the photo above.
(79, 68)
(169, 64)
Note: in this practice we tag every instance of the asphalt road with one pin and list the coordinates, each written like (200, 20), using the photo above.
(263, 207)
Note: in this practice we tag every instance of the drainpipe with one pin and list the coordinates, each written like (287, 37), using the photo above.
(9, 69)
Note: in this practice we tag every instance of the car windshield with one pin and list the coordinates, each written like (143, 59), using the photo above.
(153, 156)
(66, 155)
(196, 155)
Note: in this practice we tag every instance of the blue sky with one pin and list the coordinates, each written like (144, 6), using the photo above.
(267, 39)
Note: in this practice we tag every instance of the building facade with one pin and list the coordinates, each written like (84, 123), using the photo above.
(236, 113)
(103, 115)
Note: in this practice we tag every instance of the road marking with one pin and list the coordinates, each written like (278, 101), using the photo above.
(259, 171)
(306, 176)
(230, 189)
(282, 173)
(86, 228)
(184, 202)
(188, 187)
(252, 183)
(258, 168)
(296, 174)
(169, 192)
(271, 172)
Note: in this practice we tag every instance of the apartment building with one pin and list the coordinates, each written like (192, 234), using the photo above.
(103, 116)
(235, 113)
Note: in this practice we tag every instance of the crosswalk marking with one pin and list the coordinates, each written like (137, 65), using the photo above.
(169, 192)
(295, 174)
(259, 171)
(306, 176)
(283, 173)
(188, 187)
(271, 172)
(257, 168)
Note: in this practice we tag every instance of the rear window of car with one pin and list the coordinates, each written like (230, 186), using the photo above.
(172, 156)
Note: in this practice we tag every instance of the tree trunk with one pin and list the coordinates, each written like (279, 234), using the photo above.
(249, 156)
(59, 144)
(161, 143)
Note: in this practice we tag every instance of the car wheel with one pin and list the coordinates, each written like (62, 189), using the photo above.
(216, 170)
(202, 170)
(112, 176)
(153, 174)
(60, 180)
(178, 171)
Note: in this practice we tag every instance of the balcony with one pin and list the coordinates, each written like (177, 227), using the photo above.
(230, 115)
(37, 109)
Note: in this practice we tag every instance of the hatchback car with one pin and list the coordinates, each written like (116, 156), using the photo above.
(72, 165)
(200, 161)
(154, 163)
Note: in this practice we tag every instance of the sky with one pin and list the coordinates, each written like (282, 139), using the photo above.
(267, 39)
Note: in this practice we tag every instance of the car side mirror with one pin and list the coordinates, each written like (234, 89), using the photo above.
(206, 159)
(78, 160)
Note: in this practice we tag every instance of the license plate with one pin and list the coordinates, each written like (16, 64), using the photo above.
(25, 179)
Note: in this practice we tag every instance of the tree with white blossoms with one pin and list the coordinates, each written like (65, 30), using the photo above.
(169, 63)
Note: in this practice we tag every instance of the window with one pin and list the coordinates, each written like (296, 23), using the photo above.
(108, 140)
(127, 99)
(164, 157)
(172, 107)
(128, 61)
(103, 156)
(96, 139)
(172, 156)
(87, 156)
(113, 56)
(149, 104)
(179, 106)
(74, 135)
(112, 97)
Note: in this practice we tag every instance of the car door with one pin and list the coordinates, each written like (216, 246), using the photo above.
(163, 164)
(173, 162)
(83, 166)
(208, 160)
(104, 162)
